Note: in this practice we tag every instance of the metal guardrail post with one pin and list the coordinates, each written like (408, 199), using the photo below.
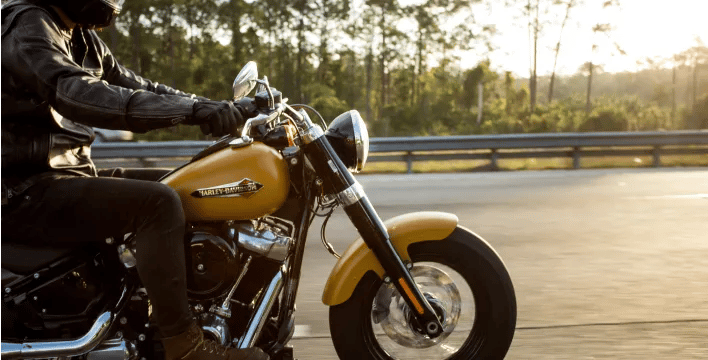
(493, 160)
(576, 158)
(656, 153)
(409, 162)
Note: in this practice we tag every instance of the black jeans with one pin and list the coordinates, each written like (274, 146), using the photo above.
(74, 210)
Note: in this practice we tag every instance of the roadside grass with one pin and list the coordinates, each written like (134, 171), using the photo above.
(535, 164)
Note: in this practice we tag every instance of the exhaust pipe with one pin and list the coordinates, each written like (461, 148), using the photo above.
(54, 349)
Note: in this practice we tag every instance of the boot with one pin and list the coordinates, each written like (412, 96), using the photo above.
(191, 345)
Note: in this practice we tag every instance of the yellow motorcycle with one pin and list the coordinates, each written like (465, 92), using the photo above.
(418, 286)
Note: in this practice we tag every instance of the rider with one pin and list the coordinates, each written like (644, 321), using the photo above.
(58, 81)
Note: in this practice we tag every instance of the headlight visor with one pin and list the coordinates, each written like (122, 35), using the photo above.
(350, 139)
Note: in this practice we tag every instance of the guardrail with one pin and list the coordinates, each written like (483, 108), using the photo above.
(489, 147)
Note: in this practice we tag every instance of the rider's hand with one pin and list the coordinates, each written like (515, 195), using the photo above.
(217, 118)
(248, 107)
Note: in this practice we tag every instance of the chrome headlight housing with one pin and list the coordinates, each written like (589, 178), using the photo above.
(350, 139)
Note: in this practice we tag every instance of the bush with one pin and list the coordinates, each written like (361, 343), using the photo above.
(698, 117)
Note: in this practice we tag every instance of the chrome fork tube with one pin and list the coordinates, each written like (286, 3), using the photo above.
(53, 349)
(255, 325)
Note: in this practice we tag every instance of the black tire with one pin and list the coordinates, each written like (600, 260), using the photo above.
(471, 257)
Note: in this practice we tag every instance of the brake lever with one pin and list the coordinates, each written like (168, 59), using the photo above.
(261, 119)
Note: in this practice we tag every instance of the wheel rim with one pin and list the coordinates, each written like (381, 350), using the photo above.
(450, 297)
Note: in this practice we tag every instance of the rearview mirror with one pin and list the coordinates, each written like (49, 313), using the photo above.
(245, 80)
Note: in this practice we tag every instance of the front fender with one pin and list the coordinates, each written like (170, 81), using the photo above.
(403, 230)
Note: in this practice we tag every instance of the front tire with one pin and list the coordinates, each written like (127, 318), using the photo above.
(484, 330)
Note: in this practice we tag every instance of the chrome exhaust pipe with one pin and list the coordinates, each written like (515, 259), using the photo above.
(54, 349)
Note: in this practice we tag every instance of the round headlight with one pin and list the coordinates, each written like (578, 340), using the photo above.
(350, 139)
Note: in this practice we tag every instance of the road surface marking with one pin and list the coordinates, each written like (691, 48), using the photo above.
(659, 197)
(302, 331)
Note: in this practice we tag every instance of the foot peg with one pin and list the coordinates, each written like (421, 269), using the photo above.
(285, 353)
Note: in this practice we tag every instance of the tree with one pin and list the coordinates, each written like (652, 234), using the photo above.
(597, 30)
(389, 12)
(363, 30)
(231, 15)
(473, 87)
(328, 14)
(588, 69)
(534, 29)
(569, 5)
(697, 58)
(130, 19)
(428, 17)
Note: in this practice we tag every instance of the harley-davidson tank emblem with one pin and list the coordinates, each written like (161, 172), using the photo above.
(244, 188)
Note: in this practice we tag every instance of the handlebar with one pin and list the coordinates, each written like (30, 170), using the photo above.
(261, 119)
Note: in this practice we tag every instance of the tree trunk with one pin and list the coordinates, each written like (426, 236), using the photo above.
(694, 98)
(287, 73)
(533, 84)
(236, 38)
(419, 67)
(300, 55)
(557, 51)
(480, 102)
(324, 40)
(135, 31)
(190, 19)
(172, 57)
(673, 97)
(324, 58)
(114, 37)
(588, 104)
(369, 80)
(551, 84)
(271, 37)
(383, 58)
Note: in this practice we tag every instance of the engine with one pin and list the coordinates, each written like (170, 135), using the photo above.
(215, 253)
(213, 264)
(218, 256)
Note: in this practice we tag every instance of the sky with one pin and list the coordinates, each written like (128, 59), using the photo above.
(642, 28)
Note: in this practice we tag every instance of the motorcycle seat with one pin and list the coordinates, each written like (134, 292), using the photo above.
(25, 259)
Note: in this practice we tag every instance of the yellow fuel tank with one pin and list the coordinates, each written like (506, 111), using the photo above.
(232, 184)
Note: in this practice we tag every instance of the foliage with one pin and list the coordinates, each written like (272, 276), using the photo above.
(698, 118)
(333, 57)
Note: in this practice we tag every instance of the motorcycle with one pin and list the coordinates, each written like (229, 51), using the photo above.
(416, 286)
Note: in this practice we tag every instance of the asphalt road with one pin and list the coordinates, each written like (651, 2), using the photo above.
(606, 264)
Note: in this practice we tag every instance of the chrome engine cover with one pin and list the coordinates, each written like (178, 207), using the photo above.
(266, 239)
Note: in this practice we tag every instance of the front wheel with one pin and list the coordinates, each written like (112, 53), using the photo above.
(465, 282)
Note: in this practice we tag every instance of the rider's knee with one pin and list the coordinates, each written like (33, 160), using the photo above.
(165, 204)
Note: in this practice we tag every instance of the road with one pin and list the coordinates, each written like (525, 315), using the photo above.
(606, 264)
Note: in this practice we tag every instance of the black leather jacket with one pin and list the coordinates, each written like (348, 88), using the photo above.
(57, 85)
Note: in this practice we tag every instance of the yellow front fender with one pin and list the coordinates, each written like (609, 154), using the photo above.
(403, 231)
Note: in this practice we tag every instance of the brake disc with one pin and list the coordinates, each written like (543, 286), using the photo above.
(394, 316)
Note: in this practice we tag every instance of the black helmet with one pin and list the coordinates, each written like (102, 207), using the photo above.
(91, 13)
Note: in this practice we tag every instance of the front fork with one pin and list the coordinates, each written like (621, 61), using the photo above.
(372, 230)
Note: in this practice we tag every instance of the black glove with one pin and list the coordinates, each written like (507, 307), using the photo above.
(217, 118)
(248, 107)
